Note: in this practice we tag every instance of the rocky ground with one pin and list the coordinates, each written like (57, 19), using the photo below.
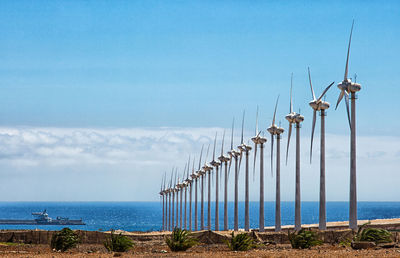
(157, 249)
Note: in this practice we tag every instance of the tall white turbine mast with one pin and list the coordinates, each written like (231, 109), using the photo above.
(202, 172)
(224, 161)
(187, 184)
(275, 130)
(163, 196)
(173, 202)
(181, 186)
(295, 118)
(258, 140)
(191, 178)
(207, 171)
(170, 205)
(196, 176)
(245, 149)
(235, 155)
(177, 186)
(216, 164)
(320, 105)
(348, 87)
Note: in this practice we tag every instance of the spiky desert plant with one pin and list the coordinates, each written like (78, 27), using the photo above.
(376, 235)
(64, 240)
(180, 240)
(303, 239)
(118, 243)
(241, 242)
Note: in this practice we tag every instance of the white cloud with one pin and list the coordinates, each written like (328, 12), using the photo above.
(132, 160)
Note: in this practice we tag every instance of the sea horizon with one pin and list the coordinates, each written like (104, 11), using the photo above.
(147, 215)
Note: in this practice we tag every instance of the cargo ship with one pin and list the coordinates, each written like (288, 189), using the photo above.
(42, 218)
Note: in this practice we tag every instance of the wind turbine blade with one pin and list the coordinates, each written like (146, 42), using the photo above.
(165, 178)
(309, 78)
(346, 96)
(240, 161)
(258, 134)
(188, 167)
(291, 102)
(312, 132)
(222, 146)
(340, 98)
(256, 121)
(201, 154)
(255, 159)
(276, 105)
(272, 153)
(323, 93)
(184, 170)
(229, 168)
(241, 139)
(208, 148)
(194, 159)
(215, 142)
(346, 71)
(233, 123)
(288, 141)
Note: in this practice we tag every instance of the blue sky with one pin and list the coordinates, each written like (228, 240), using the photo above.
(188, 64)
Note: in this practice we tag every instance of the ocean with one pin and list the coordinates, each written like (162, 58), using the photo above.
(147, 216)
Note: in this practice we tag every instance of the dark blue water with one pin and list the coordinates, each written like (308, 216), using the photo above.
(146, 216)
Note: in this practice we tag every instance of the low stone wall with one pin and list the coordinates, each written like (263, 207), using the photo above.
(333, 235)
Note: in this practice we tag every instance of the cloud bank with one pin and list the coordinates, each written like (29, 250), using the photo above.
(127, 163)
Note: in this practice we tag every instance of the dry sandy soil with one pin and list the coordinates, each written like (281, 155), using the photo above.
(161, 250)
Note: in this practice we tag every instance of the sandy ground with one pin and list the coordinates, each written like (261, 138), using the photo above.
(161, 250)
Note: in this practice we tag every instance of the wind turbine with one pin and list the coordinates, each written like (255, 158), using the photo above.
(320, 105)
(170, 193)
(180, 187)
(246, 149)
(163, 196)
(190, 181)
(187, 184)
(173, 189)
(295, 118)
(258, 140)
(207, 170)
(276, 130)
(202, 172)
(216, 164)
(177, 188)
(196, 176)
(235, 155)
(348, 87)
(224, 160)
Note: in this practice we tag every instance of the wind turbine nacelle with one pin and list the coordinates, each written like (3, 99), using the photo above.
(279, 130)
(215, 163)
(324, 105)
(299, 118)
(354, 87)
(224, 158)
(291, 117)
(273, 129)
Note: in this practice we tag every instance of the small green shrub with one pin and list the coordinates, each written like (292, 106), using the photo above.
(241, 242)
(303, 239)
(180, 240)
(376, 235)
(118, 243)
(64, 240)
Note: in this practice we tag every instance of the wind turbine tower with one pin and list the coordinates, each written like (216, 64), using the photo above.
(207, 171)
(275, 130)
(295, 118)
(258, 140)
(234, 155)
(216, 164)
(246, 149)
(320, 105)
(348, 87)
